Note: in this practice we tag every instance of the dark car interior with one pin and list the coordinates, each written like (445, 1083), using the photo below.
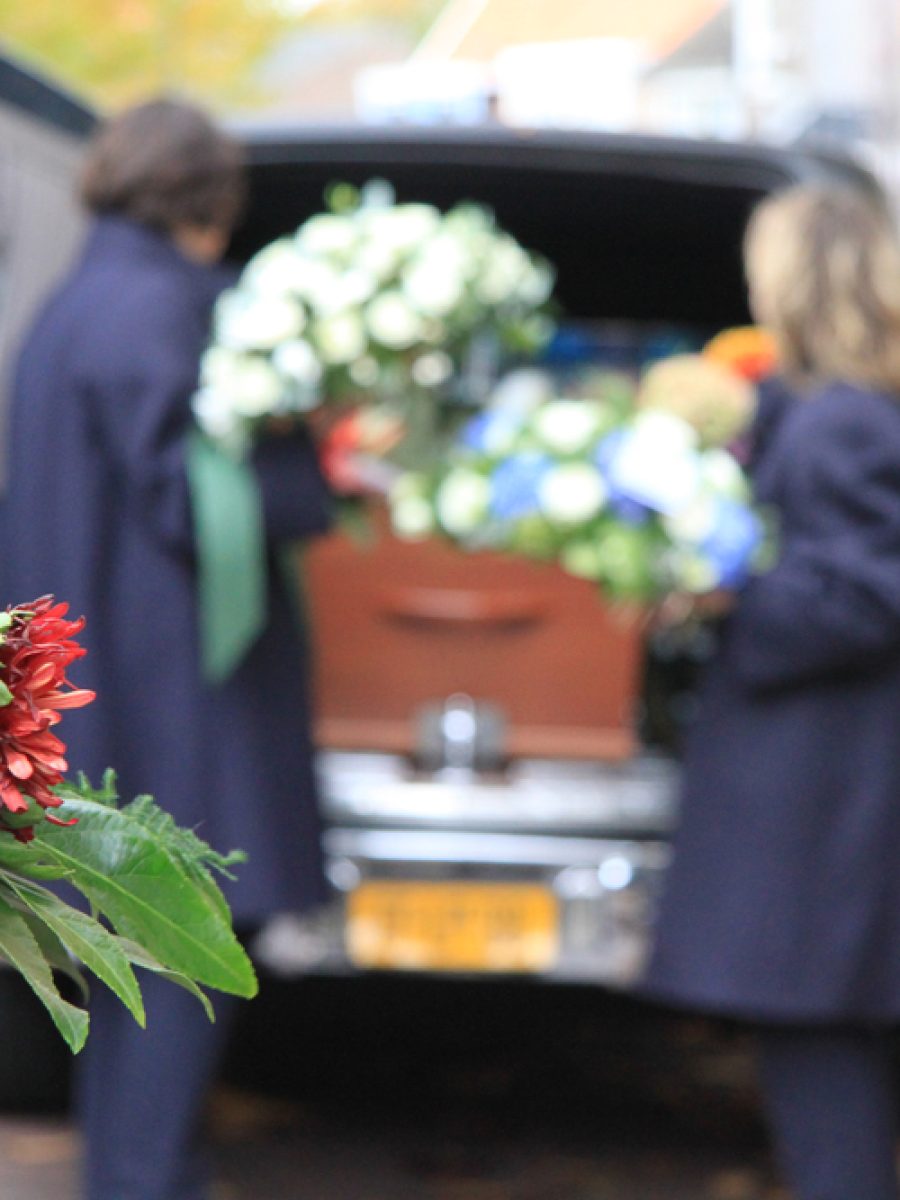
(640, 229)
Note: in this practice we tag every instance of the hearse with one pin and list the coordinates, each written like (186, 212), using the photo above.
(499, 748)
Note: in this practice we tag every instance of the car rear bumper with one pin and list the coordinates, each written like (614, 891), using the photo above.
(589, 840)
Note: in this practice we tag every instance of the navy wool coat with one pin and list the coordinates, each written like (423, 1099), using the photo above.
(98, 513)
(783, 899)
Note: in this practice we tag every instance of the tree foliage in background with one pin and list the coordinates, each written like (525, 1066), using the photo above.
(117, 51)
(416, 15)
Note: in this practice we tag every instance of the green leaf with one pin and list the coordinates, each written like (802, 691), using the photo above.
(107, 793)
(56, 954)
(87, 939)
(194, 855)
(139, 956)
(19, 947)
(153, 889)
(28, 858)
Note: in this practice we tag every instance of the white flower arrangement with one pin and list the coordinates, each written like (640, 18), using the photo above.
(371, 300)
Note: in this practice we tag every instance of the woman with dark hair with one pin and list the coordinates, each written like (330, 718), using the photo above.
(99, 512)
(782, 906)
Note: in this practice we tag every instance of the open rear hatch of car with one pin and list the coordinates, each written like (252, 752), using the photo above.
(645, 235)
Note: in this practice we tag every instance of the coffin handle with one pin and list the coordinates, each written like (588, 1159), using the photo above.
(462, 608)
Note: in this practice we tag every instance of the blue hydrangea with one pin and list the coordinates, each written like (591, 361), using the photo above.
(483, 433)
(637, 468)
(629, 512)
(622, 505)
(515, 483)
(732, 542)
(607, 450)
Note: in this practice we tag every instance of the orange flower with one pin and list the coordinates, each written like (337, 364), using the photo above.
(36, 649)
(748, 350)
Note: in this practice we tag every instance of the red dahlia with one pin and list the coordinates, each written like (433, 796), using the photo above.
(36, 648)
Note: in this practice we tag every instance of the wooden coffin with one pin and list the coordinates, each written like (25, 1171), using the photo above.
(400, 626)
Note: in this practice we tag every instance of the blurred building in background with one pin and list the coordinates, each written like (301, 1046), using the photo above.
(826, 71)
(314, 73)
(820, 71)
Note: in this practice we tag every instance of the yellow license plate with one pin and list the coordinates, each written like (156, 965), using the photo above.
(452, 926)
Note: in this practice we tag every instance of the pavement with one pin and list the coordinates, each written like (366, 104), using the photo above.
(411, 1090)
(285, 1152)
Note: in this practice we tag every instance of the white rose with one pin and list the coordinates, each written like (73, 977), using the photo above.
(504, 270)
(572, 493)
(432, 369)
(255, 388)
(536, 286)
(392, 322)
(462, 501)
(327, 234)
(404, 226)
(275, 270)
(567, 426)
(217, 366)
(317, 281)
(298, 361)
(666, 431)
(246, 321)
(359, 286)
(721, 472)
(341, 338)
(412, 517)
(694, 522)
(522, 391)
(343, 291)
(215, 415)
(408, 485)
(470, 223)
(433, 291)
(379, 259)
(444, 252)
(658, 464)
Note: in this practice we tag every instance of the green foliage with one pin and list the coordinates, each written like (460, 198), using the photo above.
(417, 15)
(22, 950)
(145, 878)
(118, 51)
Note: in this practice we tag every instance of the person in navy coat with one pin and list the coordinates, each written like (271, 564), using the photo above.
(782, 906)
(98, 513)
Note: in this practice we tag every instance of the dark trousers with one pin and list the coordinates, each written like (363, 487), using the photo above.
(140, 1093)
(830, 1100)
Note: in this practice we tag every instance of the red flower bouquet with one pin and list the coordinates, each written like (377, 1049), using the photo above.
(38, 647)
(154, 901)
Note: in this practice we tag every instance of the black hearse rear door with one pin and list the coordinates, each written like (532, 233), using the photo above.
(640, 228)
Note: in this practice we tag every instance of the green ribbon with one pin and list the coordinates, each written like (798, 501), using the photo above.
(231, 556)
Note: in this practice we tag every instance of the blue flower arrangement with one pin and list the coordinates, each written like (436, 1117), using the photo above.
(633, 496)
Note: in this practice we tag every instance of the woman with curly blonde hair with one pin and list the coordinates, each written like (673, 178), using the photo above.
(782, 906)
(823, 268)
